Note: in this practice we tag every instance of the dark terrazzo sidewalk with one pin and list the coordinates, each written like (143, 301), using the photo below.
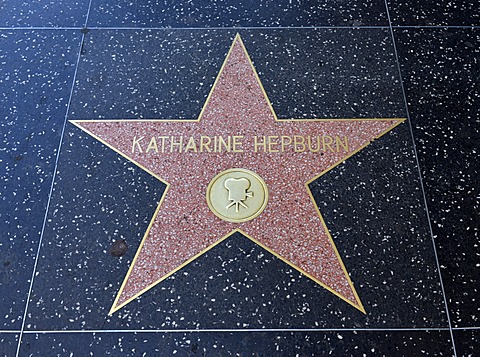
(403, 212)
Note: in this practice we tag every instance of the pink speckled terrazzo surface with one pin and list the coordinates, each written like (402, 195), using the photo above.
(290, 225)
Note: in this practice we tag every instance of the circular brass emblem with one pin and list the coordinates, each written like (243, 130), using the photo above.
(237, 195)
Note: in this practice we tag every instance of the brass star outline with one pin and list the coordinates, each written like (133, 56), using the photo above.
(90, 126)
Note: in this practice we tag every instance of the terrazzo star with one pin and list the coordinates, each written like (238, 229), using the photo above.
(265, 185)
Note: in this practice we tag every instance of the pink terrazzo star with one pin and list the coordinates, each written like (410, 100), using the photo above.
(183, 227)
